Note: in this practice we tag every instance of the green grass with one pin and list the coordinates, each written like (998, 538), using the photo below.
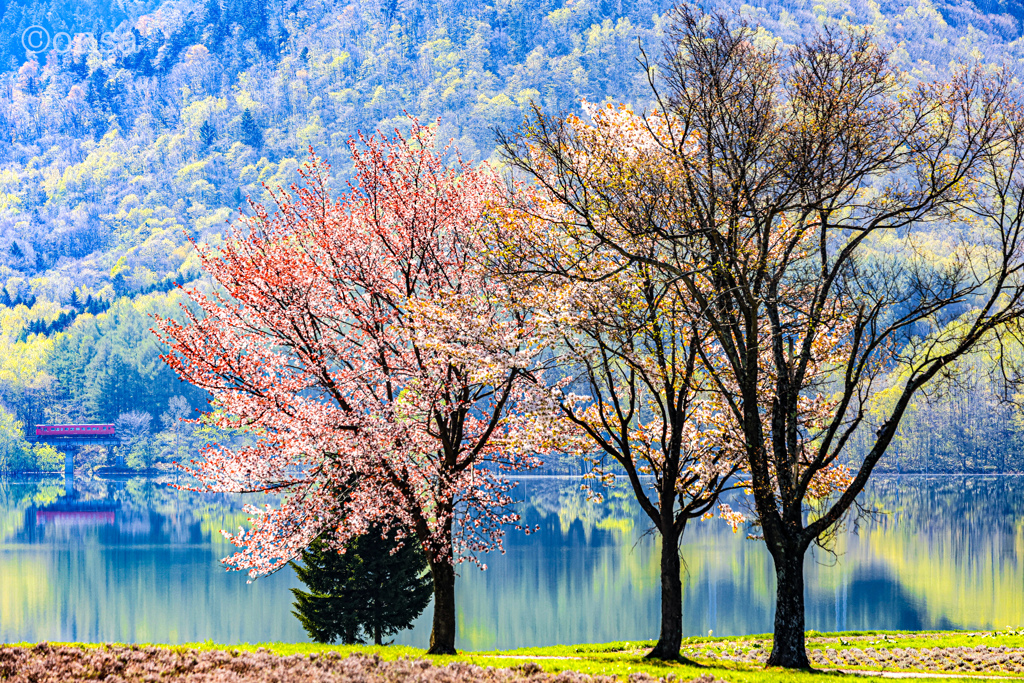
(624, 658)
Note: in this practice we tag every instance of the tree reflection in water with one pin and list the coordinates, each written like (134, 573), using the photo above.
(137, 561)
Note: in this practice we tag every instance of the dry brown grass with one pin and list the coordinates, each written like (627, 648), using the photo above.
(46, 663)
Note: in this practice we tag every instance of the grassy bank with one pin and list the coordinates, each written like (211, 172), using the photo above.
(957, 655)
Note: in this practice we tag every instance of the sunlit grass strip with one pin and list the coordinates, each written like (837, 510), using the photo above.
(624, 659)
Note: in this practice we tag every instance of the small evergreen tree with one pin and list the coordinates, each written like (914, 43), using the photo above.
(120, 284)
(16, 251)
(249, 130)
(207, 134)
(253, 17)
(97, 92)
(212, 12)
(367, 592)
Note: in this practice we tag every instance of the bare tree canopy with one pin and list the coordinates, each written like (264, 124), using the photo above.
(622, 332)
(795, 185)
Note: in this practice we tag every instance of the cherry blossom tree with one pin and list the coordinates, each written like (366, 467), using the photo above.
(379, 369)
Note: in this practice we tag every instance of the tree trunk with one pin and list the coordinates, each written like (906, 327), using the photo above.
(671, 636)
(442, 635)
(788, 649)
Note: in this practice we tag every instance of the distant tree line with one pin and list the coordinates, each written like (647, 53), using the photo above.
(970, 425)
(92, 306)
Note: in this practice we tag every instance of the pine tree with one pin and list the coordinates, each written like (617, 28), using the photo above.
(119, 388)
(250, 131)
(207, 134)
(367, 592)
(120, 284)
(253, 18)
(77, 65)
(16, 251)
(389, 8)
(215, 27)
(97, 93)
(212, 12)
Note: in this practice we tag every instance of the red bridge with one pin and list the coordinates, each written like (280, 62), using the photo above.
(69, 438)
(74, 430)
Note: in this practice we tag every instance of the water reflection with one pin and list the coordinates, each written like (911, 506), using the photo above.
(130, 561)
(137, 561)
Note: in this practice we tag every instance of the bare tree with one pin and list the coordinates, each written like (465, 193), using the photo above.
(133, 426)
(815, 169)
(173, 420)
(623, 333)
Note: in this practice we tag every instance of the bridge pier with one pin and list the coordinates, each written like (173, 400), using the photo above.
(72, 446)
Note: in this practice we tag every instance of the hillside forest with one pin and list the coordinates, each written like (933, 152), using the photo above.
(141, 125)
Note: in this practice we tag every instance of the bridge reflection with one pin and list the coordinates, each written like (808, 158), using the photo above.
(69, 511)
(75, 514)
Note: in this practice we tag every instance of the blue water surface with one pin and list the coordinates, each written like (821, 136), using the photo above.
(138, 561)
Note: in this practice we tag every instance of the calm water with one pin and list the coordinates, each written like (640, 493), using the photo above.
(138, 561)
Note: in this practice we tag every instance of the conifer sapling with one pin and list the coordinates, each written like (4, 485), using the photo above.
(370, 591)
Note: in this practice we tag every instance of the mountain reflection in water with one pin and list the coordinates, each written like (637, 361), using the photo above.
(137, 561)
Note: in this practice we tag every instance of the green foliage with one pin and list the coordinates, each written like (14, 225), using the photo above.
(139, 456)
(15, 453)
(369, 591)
(18, 455)
(105, 364)
(118, 387)
(48, 458)
(110, 364)
(966, 423)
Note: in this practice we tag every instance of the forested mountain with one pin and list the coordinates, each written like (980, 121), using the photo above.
(141, 122)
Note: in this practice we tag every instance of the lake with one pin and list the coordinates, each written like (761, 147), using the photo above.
(137, 561)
